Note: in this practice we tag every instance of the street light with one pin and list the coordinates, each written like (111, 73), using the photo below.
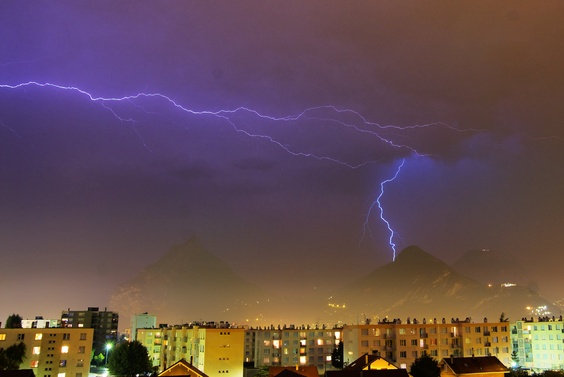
(108, 348)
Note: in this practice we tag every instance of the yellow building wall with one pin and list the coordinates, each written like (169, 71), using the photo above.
(53, 352)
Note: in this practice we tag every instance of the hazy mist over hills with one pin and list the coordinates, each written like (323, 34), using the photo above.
(190, 284)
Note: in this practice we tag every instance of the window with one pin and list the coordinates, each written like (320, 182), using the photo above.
(34, 363)
(66, 336)
(38, 336)
(21, 336)
(36, 350)
(477, 329)
(81, 349)
(413, 342)
(65, 349)
(403, 343)
(80, 363)
(82, 336)
(414, 354)
(63, 363)
(364, 343)
(403, 354)
(2, 336)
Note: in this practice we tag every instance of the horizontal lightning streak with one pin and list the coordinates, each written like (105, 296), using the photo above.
(226, 115)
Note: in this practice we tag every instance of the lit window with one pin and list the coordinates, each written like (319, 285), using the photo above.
(319, 342)
(61, 375)
(2, 336)
(65, 349)
(36, 350)
(38, 336)
(34, 363)
(303, 360)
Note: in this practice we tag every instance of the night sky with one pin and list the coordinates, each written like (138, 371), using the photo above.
(332, 97)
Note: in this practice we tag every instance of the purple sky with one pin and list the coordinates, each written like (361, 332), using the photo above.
(92, 192)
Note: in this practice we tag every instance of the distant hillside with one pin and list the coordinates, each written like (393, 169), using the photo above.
(189, 284)
(420, 285)
(491, 267)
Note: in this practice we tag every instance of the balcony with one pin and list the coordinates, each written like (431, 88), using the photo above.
(486, 333)
(424, 335)
(487, 344)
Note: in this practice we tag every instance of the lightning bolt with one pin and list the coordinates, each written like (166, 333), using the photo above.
(378, 203)
(326, 115)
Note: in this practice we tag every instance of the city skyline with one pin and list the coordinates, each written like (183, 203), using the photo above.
(267, 130)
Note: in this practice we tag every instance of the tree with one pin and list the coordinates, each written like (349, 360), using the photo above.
(14, 321)
(337, 356)
(425, 366)
(503, 318)
(129, 359)
(12, 357)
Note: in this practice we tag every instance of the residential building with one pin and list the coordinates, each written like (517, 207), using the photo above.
(290, 346)
(482, 366)
(53, 352)
(212, 348)
(40, 323)
(142, 321)
(403, 342)
(182, 368)
(104, 323)
(369, 366)
(538, 343)
(294, 371)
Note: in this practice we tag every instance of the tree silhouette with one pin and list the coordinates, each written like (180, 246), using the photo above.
(425, 366)
(14, 321)
(129, 359)
(337, 356)
(12, 357)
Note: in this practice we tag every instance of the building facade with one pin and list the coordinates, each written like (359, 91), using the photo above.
(538, 343)
(104, 323)
(213, 349)
(53, 352)
(291, 346)
(40, 323)
(403, 342)
(142, 321)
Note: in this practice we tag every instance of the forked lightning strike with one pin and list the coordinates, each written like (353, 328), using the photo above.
(363, 127)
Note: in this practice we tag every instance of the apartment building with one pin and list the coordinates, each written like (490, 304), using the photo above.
(403, 342)
(40, 323)
(291, 346)
(213, 349)
(53, 352)
(104, 323)
(142, 321)
(538, 343)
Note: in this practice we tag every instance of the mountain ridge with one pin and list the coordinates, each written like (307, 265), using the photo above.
(190, 283)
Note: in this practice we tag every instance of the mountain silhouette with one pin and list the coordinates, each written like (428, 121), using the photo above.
(418, 285)
(191, 284)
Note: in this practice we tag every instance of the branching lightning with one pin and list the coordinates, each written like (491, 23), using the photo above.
(378, 203)
(344, 118)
